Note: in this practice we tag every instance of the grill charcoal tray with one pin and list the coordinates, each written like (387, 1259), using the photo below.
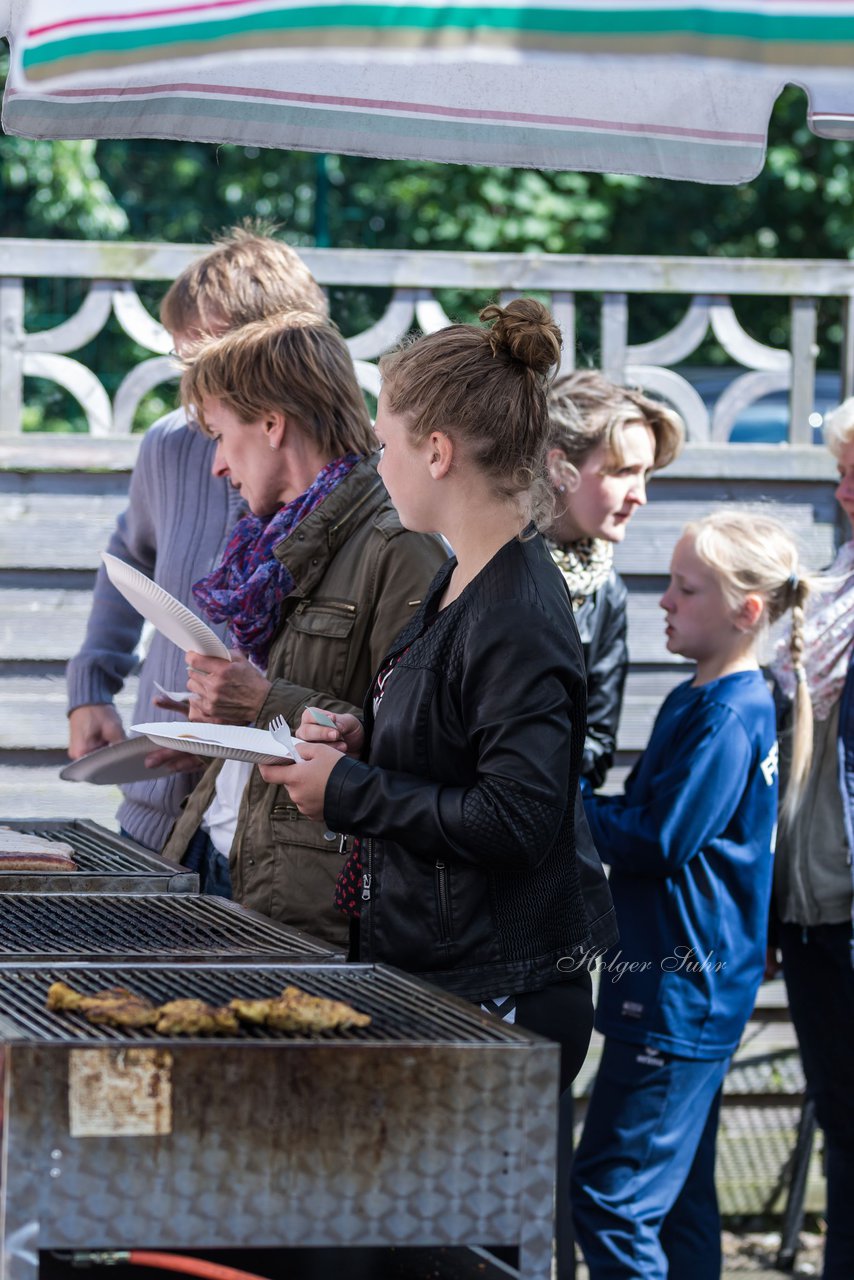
(106, 863)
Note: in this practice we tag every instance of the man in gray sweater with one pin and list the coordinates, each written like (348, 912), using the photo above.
(177, 521)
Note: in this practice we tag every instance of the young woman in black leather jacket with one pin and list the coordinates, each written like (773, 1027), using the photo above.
(462, 782)
(604, 442)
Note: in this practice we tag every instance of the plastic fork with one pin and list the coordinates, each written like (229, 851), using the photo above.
(278, 727)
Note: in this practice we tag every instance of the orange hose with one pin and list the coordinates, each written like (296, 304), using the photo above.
(190, 1266)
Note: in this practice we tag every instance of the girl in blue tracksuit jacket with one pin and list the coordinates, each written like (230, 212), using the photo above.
(690, 846)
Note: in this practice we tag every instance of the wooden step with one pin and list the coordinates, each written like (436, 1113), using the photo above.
(38, 792)
(655, 531)
(56, 531)
(48, 624)
(34, 712)
(42, 624)
(62, 530)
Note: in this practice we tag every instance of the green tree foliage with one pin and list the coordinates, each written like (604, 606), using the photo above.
(49, 185)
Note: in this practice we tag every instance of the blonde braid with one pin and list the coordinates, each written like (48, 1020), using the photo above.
(802, 730)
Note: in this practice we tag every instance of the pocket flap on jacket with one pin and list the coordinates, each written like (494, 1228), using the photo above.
(323, 622)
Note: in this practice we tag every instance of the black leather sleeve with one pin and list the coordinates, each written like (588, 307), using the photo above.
(607, 665)
(517, 694)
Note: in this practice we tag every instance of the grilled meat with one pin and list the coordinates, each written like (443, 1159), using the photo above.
(61, 996)
(295, 1010)
(116, 1007)
(119, 1008)
(252, 1012)
(194, 1018)
(22, 852)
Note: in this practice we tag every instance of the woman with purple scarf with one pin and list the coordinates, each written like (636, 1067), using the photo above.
(316, 581)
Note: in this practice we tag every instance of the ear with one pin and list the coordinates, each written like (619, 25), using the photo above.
(748, 615)
(440, 454)
(562, 474)
(274, 424)
(556, 460)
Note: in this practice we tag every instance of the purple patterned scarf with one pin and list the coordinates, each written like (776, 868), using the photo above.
(249, 584)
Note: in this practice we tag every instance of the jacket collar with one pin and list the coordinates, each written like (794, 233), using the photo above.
(307, 551)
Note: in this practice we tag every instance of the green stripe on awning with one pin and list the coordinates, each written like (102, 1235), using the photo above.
(689, 22)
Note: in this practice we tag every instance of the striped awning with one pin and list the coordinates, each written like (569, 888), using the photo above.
(670, 89)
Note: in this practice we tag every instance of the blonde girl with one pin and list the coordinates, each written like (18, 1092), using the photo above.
(690, 847)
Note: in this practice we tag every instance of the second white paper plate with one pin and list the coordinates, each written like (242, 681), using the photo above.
(171, 618)
(119, 762)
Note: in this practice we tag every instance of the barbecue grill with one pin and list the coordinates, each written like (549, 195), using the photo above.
(114, 927)
(435, 1125)
(106, 863)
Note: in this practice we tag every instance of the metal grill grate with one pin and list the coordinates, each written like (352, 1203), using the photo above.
(402, 1011)
(95, 848)
(111, 924)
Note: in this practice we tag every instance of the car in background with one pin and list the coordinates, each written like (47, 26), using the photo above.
(766, 421)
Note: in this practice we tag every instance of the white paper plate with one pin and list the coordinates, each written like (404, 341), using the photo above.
(228, 741)
(171, 618)
(119, 762)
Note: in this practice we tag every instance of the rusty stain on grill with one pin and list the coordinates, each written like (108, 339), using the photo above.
(119, 1091)
(181, 925)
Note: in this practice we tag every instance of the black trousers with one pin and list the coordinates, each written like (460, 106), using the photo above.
(563, 1012)
(820, 985)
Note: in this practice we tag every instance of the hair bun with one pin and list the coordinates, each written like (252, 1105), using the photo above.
(525, 330)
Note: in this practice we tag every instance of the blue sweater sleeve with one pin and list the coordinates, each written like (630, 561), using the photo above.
(98, 671)
(671, 812)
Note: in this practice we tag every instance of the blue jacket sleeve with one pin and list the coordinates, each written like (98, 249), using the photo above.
(666, 818)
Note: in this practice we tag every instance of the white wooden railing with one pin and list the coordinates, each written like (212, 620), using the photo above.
(619, 283)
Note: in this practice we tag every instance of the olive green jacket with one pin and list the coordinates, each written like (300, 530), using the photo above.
(359, 577)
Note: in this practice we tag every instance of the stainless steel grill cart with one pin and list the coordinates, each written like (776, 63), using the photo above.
(435, 1125)
(106, 863)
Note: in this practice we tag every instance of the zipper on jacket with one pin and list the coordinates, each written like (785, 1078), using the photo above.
(333, 606)
(444, 898)
(330, 606)
(366, 936)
